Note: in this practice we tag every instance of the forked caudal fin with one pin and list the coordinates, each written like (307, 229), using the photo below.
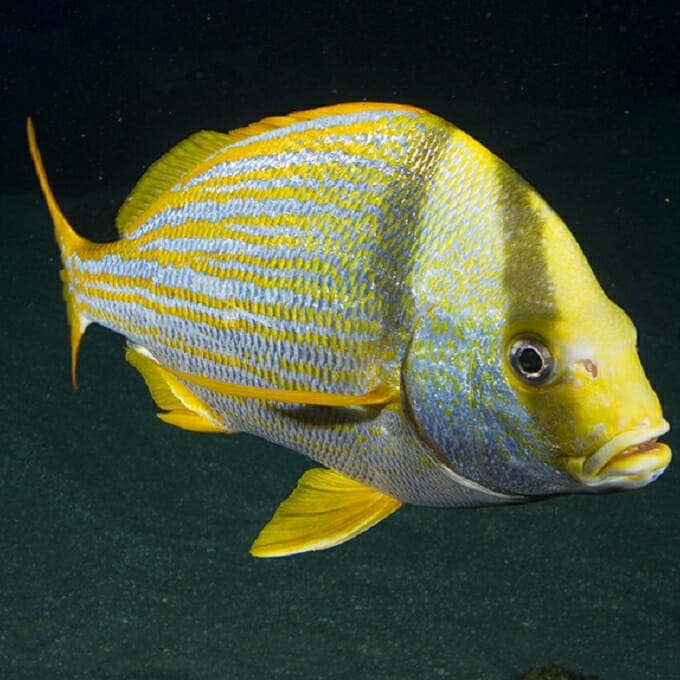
(68, 242)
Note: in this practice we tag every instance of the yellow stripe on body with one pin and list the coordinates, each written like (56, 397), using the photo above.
(228, 188)
(271, 278)
(335, 343)
(331, 320)
(390, 153)
(336, 334)
(349, 138)
(273, 269)
(222, 230)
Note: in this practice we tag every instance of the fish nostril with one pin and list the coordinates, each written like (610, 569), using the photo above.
(590, 366)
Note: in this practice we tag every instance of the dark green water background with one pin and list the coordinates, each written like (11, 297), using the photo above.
(123, 541)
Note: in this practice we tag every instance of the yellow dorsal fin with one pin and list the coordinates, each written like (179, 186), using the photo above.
(185, 409)
(378, 397)
(166, 172)
(325, 509)
(68, 242)
(273, 122)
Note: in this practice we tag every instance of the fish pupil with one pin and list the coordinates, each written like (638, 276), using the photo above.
(530, 360)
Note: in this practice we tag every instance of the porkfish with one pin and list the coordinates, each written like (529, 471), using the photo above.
(368, 285)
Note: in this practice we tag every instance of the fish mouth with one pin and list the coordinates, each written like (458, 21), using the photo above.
(628, 461)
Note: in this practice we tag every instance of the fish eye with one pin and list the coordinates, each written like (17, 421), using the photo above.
(531, 360)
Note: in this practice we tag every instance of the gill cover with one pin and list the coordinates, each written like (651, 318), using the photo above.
(463, 408)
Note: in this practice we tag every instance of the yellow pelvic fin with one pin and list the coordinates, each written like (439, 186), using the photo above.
(68, 242)
(273, 122)
(325, 509)
(378, 397)
(185, 410)
(167, 171)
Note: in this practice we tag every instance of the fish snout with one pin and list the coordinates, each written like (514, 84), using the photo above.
(629, 460)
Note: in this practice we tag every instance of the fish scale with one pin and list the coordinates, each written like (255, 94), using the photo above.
(368, 285)
(296, 281)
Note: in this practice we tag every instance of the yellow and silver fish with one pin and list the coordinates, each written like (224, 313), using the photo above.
(368, 285)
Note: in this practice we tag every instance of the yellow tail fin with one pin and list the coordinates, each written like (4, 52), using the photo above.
(68, 242)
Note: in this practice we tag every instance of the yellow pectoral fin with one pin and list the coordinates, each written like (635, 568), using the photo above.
(325, 509)
(377, 397)
(186, 410)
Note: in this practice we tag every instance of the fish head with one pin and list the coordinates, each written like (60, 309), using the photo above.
(582, 385)
(523, 376)
(571, 358)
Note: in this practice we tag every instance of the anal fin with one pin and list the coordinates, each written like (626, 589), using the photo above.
(183, 408)
(325, 509)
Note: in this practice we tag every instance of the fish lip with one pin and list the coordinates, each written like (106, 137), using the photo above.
(629, 460)
(622, 445)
